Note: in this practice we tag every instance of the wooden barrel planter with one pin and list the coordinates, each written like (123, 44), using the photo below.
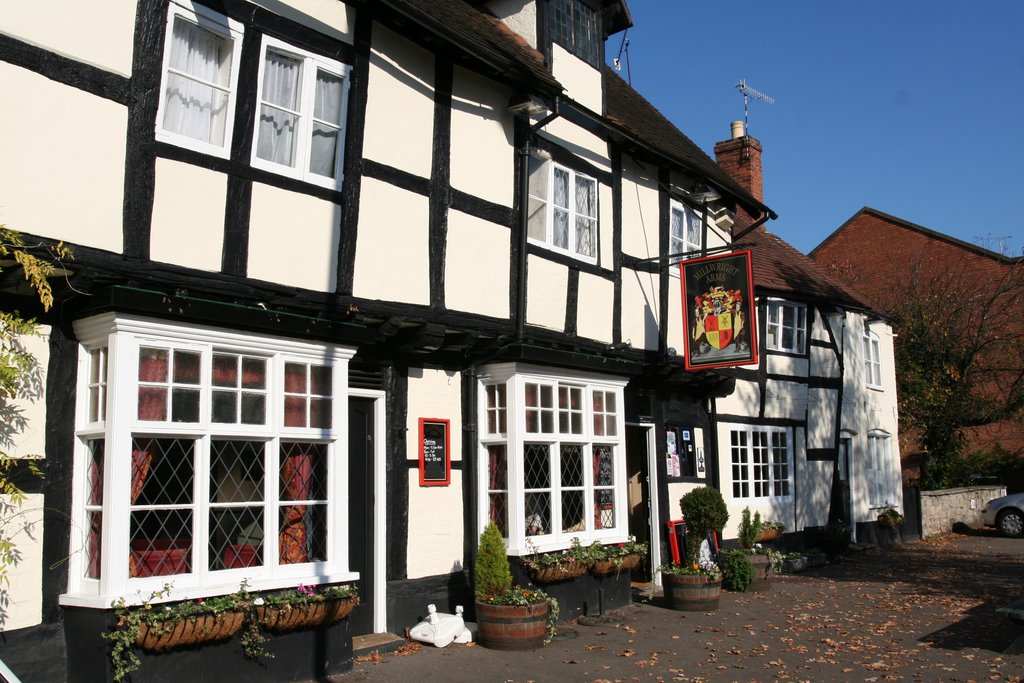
(302, 616)
(512, 627)
(208, 628)
(762, 573)
(691, 593)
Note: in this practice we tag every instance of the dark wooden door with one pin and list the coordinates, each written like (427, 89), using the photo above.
(638, 495)
(360, 508)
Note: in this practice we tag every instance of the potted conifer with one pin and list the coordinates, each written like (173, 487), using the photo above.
(508, 617)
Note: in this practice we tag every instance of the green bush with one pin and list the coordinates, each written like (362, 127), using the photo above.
(749, 529)
(737, 571)
(492, 572)
(704, 510)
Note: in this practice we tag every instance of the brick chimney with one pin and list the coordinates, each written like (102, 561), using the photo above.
(740, 157)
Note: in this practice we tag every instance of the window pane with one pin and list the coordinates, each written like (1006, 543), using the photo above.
(225, 370)
(196, 97)
(254, 373)
(560, 228)
(586, 197)
(604, 473)
(327, 110)
(536, 466)
(572, 466)
(560, 188)
(161, 543)
(153, 365)
(572, 512)
(279, 113)
(320, 380)
(538, 513)
(498, 511)
(604, 513)
(225, 407)
(186, 367)
(162, 471)
(184, 405)
(236, 537)
(236, 471)
(254, 409)
(303, 523)
(152, 403)
(295, 378)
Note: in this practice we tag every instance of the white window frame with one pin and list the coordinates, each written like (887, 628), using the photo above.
(680, 243)
(515, 377)
(311, 63)
(227, 28)
(879, 469)
(775, 319)
(747, 470)
(549, 210)
(872, 360)
(122, 336)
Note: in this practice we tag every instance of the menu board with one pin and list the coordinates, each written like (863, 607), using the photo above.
(435, 455)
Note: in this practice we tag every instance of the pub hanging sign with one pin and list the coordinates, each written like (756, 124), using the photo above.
(718, 311)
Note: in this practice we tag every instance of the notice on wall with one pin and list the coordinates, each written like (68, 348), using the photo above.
(435, 454)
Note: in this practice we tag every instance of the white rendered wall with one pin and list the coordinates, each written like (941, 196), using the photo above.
(546, 292)
(70, 187)
(74, 29)
(579, 141)
(435, 512)
(330, 17)
(744, 400)
(482, 155)
(400, 104)
(392, 262)
(24, 527)
(582, 82)
(640, 309)
(293, 239)
(188, 233)
(476, 277)
(595, 311)
(639, 210)
(24, 436)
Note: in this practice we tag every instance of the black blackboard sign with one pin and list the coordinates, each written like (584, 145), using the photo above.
(435, 452)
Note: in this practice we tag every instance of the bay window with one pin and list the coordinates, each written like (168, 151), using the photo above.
(553, 457)
(215, 457)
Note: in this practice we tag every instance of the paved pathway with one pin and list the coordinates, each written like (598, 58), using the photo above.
(918, 612)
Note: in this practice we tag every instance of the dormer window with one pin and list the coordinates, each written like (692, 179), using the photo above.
(574, 27)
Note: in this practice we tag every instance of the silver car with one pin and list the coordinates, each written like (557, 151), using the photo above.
(1006, 514)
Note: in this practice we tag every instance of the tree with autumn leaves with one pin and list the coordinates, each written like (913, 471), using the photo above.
(959, 360)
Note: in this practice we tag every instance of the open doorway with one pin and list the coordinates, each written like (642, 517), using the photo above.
(642, 494)
(366, 506)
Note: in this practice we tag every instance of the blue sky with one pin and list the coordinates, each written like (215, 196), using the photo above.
(911, 107)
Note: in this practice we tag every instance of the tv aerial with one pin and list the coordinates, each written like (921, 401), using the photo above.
(749, 93)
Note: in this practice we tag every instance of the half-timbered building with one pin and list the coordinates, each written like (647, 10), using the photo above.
(352, 279)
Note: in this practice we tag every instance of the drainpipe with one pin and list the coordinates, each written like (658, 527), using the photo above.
(524, 201)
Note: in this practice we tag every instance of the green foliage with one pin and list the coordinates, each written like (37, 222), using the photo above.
(737, 571)
(890, 517)
(750, 529)
(705, 511)
(19, 376)
(164, 618)
(492, 572)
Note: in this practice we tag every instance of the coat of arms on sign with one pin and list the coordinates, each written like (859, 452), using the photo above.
(717, 311)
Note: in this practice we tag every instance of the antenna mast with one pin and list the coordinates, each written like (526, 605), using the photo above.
(749, 92)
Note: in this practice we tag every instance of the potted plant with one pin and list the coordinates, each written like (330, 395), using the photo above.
(508, 617)
(612, 559)
(759, 557)
(890, 517)
(737, 571)
(771, 531)
(558, 566)
(696, 583)
(304, 606)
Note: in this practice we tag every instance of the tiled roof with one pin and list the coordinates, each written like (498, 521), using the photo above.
(780, 268)
(631, 112)
(484, 37)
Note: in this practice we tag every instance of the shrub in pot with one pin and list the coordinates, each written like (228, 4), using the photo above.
(737, 571)
(695, 584)
(508, 617)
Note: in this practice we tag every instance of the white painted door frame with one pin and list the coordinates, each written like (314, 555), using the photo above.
(379, 512)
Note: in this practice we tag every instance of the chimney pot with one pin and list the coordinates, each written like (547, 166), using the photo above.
(737, 130)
